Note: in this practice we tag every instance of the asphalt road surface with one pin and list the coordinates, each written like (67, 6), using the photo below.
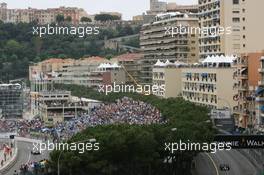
(25, 156)
(208, 164)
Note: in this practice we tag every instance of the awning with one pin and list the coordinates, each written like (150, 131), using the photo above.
(259, 91)
(262, 108)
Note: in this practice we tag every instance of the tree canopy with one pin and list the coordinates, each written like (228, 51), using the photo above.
(138, 150)
(106, 17)
(85, 19)
(19, 47)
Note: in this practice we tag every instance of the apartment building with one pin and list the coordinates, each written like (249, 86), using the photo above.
(209, 83)
(168, 74)
(47, 68)
(130, 62)
(158, 43)
(42, 16)
(90, 72)
(82, 72)
(259, 123)
(173, 7)
(247, 81)
(240, 17)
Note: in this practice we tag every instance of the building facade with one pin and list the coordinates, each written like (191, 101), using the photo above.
(247, 81)
(168, 75)
(259, 125)
(11, 101)
(238, 16)
(130, 62)
(157, 43)
(208, 83)
(42, 16)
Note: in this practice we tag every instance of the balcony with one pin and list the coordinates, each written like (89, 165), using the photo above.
(260, 99)
(242, 88)
(242, 76)
(261, 70)
(261, 83)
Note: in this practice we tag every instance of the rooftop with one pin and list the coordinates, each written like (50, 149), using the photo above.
(108, 66)
(94, 59)
(210, 61)
(128, 57)
(219, 59)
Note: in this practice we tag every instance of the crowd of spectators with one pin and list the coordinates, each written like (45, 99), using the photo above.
(125, 110)
(34, 167)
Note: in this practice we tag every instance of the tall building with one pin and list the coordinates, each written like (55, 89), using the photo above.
(241, 17)
(247, 81)
(11, 101)
(159, 44)
(260, 99)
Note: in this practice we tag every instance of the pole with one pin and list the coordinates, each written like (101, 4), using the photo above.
(58, 165)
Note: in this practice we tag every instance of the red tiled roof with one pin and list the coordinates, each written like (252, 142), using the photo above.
(57, 60)
(94, 59)
(129, 57)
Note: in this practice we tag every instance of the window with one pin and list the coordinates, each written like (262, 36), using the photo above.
(244, 45)
(236, 19)
(244, 36)
(243, 19)
(235, 1)
(235, 11)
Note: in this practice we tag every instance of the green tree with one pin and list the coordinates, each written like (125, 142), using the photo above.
(106, 17)
(60, 18)
(68, 19)
(85, 19)
(138, 150)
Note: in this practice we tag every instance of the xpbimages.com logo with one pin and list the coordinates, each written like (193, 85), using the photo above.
(81, 147)
(126, 88)
(207, 31)
(65, 30)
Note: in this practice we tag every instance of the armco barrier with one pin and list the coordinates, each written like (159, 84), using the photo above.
(13, 160)
(10, 163)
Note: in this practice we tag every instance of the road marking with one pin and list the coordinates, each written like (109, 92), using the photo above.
(216, 169)
(29, 156)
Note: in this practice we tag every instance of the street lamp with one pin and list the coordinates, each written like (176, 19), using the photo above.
(58, 162)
